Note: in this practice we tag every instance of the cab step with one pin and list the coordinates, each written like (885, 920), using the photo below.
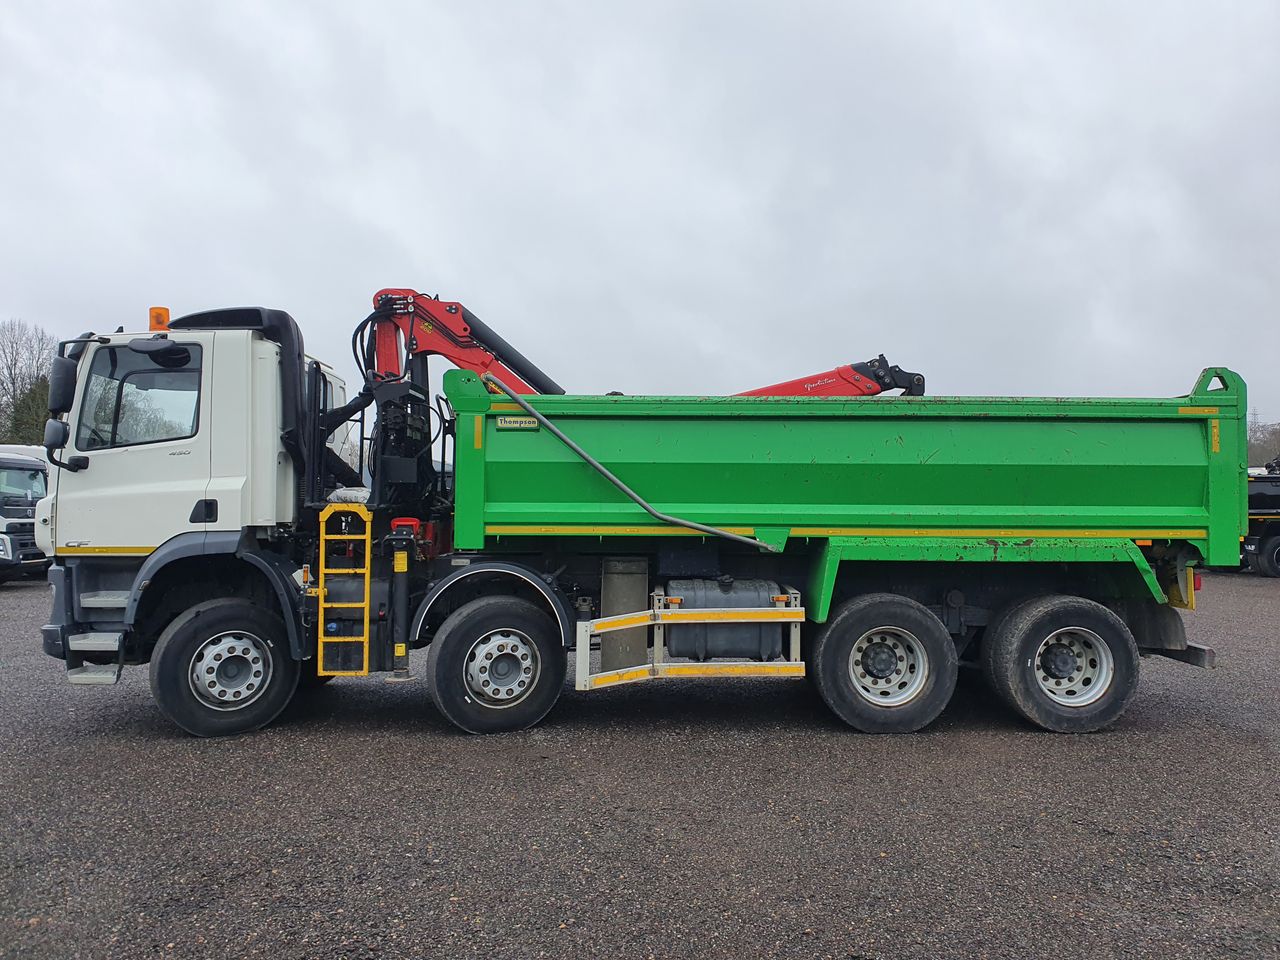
(94, 673)
(105, 599)
(94, 642)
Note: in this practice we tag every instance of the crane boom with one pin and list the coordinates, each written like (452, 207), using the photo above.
(409, 324)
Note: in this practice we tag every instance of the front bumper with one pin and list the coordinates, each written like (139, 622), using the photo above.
(18, 550)
(13, 569)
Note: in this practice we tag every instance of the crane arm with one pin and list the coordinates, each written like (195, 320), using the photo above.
(849, 380)
(408, 324)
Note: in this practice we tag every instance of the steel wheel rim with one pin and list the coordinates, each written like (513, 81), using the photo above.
(231, 670)
(1090, 676)
(502, 668)
(879, 680)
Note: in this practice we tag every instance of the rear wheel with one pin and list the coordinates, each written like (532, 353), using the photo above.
(223, 667)
(1065, 663)
(884, 664)
(1269, 557)
(496, 664)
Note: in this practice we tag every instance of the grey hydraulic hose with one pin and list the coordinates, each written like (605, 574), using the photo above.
(601, 469)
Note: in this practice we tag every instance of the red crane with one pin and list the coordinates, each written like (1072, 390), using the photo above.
(408, 324)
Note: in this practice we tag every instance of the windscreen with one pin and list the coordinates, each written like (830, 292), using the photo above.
(133, 398)
(23, 484)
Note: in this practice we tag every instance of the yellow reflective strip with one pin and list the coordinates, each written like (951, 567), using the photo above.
(504, 407)
(741, 616)
(400, 562)
(479, 431)
(687, 670)
(595, 530)
(498, 529)
(618, 623)
(1198, 411)
(1034, 532)
(84, 551)
(1215, 432)
(731, 670)
(402, 650)
(622, 676)
(747, 615)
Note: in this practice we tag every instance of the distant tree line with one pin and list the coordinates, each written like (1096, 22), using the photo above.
(25, 352)
(1264, 440)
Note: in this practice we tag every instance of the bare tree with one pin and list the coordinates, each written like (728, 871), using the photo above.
(25, 352)
(1264, 440)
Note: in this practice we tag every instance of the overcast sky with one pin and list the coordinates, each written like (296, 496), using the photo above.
(1022, 198)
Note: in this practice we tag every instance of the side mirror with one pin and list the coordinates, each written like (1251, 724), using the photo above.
(57, 433)
(62, 386)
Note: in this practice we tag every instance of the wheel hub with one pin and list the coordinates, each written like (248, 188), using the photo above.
(231, 670)
(880, 660)
(502, 668)
(888, 666)
(1073, 666)
(1058, 661)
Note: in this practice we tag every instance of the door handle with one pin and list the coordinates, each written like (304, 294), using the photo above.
(205, 511)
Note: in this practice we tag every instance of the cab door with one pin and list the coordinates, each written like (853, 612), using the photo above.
(141, 422)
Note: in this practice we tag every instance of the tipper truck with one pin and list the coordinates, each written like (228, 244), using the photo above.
(204, 520)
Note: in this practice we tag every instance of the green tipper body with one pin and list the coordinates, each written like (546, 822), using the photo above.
(885, 478)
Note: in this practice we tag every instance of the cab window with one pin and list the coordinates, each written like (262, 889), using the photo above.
(132, 398)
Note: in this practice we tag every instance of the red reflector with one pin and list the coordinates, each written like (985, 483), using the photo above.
(1199, 581)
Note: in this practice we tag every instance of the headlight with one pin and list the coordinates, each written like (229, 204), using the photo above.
(6, 551)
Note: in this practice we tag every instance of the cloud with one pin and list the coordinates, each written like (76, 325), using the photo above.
(682, 198)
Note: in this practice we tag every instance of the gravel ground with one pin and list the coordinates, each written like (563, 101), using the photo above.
(730, 819)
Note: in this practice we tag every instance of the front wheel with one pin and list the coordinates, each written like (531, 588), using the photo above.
(496, 664)
(884, 664)
(223, 667)
(1065, 663)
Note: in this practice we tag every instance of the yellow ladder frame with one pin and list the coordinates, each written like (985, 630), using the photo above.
(361, 511)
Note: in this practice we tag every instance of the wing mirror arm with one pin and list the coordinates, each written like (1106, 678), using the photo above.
(56, 434)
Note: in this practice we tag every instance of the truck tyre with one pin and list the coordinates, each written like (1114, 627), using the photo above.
(223, 667)
(885, 664)
(1065, 663)
(995, 628)
(1268, 560)
(496, 664)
